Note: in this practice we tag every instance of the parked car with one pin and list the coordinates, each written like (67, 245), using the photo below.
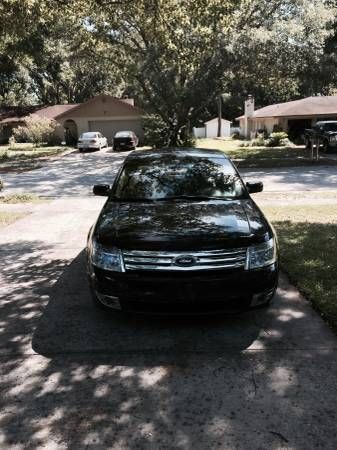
(92, 140)
(124, 140)
(179, 232)
(325, 131)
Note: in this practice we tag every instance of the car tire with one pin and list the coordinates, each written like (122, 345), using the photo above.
(79, 150)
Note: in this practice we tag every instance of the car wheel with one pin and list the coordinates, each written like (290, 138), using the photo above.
(79, 150)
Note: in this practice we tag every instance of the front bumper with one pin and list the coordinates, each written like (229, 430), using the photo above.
(123, 146)
(87, 146)
(160, 292)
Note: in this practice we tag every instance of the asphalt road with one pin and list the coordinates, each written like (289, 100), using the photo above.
(74, 377)
(76, 173)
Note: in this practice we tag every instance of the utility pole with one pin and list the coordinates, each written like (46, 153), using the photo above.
(219, 115)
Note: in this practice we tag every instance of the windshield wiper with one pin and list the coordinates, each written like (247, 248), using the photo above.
(192, 197)
(131, 199)
(170, 198)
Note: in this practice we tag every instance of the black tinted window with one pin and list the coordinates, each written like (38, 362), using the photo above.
(330, 127)
(166, 176)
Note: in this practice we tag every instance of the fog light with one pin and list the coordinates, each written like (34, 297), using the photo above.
(110, 301)
(263, 297)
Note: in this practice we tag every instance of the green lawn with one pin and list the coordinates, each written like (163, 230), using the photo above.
(308, 248)
(24, 152)
(7, 218)
(258, 156)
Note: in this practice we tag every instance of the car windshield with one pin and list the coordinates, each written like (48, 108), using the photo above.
(166, 177)
(123, 134)
(88, 135)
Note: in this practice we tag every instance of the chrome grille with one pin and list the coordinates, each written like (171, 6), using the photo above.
(203, 260)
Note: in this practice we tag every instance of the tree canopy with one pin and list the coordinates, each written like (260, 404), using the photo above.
(174, 56)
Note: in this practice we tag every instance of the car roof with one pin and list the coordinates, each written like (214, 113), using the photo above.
(178, 152)
(125, 132)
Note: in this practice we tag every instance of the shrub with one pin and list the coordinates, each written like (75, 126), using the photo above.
(258, 142)
(156, 131)
(186, 139)
(36, 131)
(4, 155)
(278, 139)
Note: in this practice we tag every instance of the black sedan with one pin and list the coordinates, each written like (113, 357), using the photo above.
(124, 140)
(179, 233)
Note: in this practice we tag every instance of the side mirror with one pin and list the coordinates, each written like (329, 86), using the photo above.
(101, 189)
(254, 187)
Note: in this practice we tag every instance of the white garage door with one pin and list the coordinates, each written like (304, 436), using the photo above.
(109, 127)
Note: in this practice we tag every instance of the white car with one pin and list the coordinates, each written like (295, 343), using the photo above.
(92, 139)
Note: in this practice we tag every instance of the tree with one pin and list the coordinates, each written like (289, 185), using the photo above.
(171, 52)
(277, 55)
(179, 55)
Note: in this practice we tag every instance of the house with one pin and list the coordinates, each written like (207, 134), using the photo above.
(102, 113)
(292, 117)
(210, 130)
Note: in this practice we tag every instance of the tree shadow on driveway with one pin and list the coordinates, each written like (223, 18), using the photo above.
(72, 324)
(97, 381)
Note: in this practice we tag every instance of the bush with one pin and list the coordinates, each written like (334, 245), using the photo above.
(36, 131)
(4, 155)
(157, 134)
(258, 142)
(278, 139)
(156, 131)
(186, 139)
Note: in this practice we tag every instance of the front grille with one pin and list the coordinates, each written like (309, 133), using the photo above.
(202, 260)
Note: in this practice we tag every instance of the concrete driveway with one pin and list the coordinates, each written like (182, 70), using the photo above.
(75, 377)
(76, 173)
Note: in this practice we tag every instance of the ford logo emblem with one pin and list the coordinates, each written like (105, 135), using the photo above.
(185, 260)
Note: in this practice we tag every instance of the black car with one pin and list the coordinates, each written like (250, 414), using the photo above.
(124, 140)
(324, 132)
(179, 232)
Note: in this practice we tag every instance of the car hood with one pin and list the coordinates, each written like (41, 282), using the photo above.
(181, 225)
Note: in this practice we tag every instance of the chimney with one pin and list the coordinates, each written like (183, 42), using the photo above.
(249, 112)
(249, 106)
(129, 101)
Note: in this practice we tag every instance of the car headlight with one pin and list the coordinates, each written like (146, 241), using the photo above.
(107, 259)
(261, 255)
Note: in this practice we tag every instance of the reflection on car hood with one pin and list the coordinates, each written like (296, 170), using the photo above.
(181, 225)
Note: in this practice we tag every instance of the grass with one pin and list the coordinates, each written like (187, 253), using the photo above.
(20, 198)
(6, 218)
(258, 156)
(24, 152)
(308, 247)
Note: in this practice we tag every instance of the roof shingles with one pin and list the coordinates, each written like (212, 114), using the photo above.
(310, 106)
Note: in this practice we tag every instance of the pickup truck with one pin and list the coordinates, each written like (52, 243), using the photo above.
(324, 131)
